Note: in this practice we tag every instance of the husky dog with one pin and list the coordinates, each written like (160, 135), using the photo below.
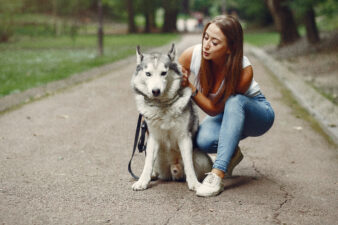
(172, 121)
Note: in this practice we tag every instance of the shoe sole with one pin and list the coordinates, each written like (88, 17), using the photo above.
(210, 194)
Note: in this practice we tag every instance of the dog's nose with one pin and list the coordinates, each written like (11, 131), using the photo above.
(156, 92)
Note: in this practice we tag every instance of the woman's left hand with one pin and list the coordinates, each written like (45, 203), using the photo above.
(185, 78)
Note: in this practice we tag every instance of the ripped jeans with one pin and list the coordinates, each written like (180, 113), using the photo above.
(242, 117)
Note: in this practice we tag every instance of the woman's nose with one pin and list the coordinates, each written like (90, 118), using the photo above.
(207, 44)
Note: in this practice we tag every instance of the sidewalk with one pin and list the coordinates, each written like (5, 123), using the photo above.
(63, 160)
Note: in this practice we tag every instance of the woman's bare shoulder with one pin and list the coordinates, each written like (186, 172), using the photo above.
(185, 57)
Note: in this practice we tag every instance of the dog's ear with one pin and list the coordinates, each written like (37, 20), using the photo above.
(172, 52)
(139, 55)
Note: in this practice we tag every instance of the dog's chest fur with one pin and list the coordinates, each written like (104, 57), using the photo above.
(163, 118)
(168, 120)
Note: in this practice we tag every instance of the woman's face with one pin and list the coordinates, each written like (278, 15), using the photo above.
(214, 43)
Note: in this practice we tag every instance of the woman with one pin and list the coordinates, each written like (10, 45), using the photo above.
(226, 91)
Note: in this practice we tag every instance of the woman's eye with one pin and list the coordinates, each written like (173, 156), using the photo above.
(163, 73)
(148, 74)
(214, 43)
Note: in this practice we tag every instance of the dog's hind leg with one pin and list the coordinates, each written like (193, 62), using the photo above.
(152, 150)
(202, 164)
(185, 145)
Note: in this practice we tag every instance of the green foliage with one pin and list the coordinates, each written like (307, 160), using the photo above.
(323, 7)
(30, 62)
(328, 23)
(60, 7)
(299, 7)
(328, 8)
(260, 39)
(7, 9)
(204, 6)
(115, 9)
(254, 11)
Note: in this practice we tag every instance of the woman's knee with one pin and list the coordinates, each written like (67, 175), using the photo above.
(205, 141)
(235, 103)
(235, 100)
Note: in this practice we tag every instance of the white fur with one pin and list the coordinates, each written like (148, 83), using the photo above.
(171, 125)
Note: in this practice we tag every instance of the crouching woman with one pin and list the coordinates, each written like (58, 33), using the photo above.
(226, 91)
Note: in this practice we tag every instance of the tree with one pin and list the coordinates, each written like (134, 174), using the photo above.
(171, 9)
(306, 10)
(131, 21)
(312, 33)
(254, 11)
(204, 6)
(100, 28)
(148, 8)
(284, 21)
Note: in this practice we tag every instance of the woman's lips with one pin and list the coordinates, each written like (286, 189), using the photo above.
(206, 53)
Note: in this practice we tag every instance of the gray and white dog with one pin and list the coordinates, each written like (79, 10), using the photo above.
(172, 121)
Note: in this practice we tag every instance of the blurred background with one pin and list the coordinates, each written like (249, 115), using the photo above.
(46, 40)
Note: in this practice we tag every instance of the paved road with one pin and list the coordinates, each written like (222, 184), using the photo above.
(63, 160)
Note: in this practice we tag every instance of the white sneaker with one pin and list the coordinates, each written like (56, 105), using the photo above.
(212, 185)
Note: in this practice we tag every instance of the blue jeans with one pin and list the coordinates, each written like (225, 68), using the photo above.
(242, 117)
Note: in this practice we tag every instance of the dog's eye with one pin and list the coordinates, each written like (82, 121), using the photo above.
(148, 74)
(163, 73)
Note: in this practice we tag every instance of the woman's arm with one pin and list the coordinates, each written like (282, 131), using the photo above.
(208, 106)
(211, 108)
(245, 80)
(185, 60)
(201, 100)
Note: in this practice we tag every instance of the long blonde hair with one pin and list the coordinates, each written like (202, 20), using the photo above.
(232, 30)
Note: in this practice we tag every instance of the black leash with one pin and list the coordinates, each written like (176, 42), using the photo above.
(141, 143)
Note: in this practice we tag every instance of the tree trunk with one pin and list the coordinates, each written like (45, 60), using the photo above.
(170, 15)
(149, 15)
(186, 11)
(131, 21)
(152, 19)
(100, 29)
(312, 34)
(185, 6)
(147, 26)
(284, 21)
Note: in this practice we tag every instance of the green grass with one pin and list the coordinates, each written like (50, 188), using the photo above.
(260, 39)
(28, 62)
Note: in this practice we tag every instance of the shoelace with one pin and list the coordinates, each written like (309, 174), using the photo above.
(210, 178)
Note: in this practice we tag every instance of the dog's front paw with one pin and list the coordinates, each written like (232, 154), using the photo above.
(194, 185)
(140, 185)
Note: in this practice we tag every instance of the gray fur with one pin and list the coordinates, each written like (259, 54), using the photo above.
(172, 120)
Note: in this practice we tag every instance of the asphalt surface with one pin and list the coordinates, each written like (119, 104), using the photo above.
(63, 160)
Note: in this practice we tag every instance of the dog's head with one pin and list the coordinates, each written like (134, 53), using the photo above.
(157, 75)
